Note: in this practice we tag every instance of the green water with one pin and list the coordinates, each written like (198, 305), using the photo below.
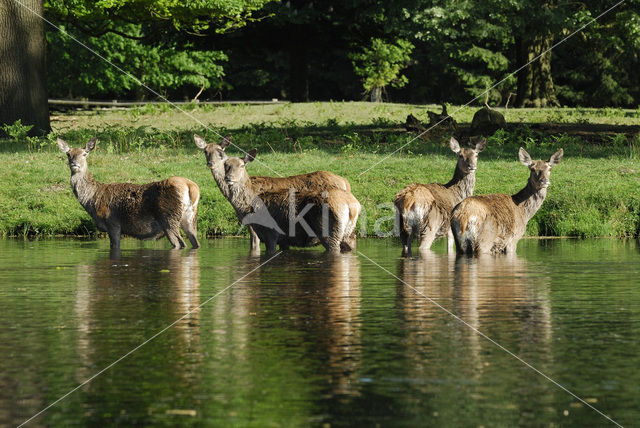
(309, 339)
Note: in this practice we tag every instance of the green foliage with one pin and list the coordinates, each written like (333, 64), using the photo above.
(99, 17)
(169, 69)
(380, 63)
(17, 130)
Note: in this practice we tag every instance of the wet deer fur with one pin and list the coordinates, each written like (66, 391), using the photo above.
(424, 210)
(332, 215)
(493, 224)
(143, 211)
(318, 180)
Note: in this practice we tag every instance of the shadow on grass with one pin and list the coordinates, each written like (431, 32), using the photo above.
(581, 140)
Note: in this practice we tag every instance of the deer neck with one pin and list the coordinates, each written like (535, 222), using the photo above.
(84, 187)
(529, 200)
(218, 176)
(462, 184)
(242, 198)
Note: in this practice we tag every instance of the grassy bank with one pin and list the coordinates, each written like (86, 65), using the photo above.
(594, 192)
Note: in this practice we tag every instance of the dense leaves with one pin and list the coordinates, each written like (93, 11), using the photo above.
(172, 69)
(453, 50)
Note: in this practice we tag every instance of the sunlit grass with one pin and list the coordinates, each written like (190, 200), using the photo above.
(593, 192)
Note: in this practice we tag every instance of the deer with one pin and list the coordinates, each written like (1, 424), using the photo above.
(143, 211)
(288, 218)
(215, 156)
(493, 224)
(424, 210)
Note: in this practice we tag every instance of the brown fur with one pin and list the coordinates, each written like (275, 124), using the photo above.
(325, 215)
(424, 210)
(144, 211)
(317, 181)
(492, 224)
(313, 180)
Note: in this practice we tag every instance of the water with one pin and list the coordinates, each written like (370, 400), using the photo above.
(309, 339)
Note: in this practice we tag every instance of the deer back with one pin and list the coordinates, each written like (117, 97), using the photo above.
(318, 180)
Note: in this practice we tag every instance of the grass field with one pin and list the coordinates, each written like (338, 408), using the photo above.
(594, 191)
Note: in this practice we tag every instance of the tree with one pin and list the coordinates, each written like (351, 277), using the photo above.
(173, 66)
(23, 92)
(22, 76)
(380, 64)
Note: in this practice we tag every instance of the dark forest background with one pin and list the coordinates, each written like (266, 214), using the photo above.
(444, 51)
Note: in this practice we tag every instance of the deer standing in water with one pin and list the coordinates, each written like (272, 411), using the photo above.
(144, 211)
(492, 224)
(285, 218)
(424, 210)
(318, 180)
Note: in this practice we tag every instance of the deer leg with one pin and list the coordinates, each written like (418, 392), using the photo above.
(176, 240)
(405, 237)
(190, 226)
(427, 236)
(190, 229)
(255, 240)
(450, 241)
(193, 238)
(271, 245)
(171, 227)
(113, 230)
(348, 243)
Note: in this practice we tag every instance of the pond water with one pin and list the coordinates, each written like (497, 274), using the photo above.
(310, 339)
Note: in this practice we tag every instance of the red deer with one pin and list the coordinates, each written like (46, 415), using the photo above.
(492, 224)
(144, 211)
(320, 180)
(285, 218)
(424, 210)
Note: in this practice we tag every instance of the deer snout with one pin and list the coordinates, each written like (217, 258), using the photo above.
(74, 167)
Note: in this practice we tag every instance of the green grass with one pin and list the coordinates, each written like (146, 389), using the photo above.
(594, 191)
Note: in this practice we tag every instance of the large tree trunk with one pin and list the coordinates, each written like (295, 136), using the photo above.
(23, 87)
(535, 83)
(298, 64)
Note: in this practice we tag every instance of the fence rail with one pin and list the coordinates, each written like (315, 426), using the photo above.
(117, 103)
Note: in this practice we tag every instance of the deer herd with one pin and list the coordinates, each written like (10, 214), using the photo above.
(312, 209)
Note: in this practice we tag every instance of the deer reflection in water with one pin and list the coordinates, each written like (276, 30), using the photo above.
(146, 288)
(321, 298)
(494, 295)
(344, 342)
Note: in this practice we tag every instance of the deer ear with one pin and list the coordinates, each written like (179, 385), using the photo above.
(480, 145)
(524, 157)
(62, 145)
(250, 156)
(91, 144)
(225, 141)
(199, 141)
(556, 158)
(454, 145)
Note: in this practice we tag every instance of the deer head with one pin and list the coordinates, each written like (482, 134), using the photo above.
(467, 158)
(235, 173)
(540, 170)
(77, 156)
(214, 153)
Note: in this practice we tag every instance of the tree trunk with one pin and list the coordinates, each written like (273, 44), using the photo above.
(535, 83)
(376, 94)
(298, 64)
(23, 84)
